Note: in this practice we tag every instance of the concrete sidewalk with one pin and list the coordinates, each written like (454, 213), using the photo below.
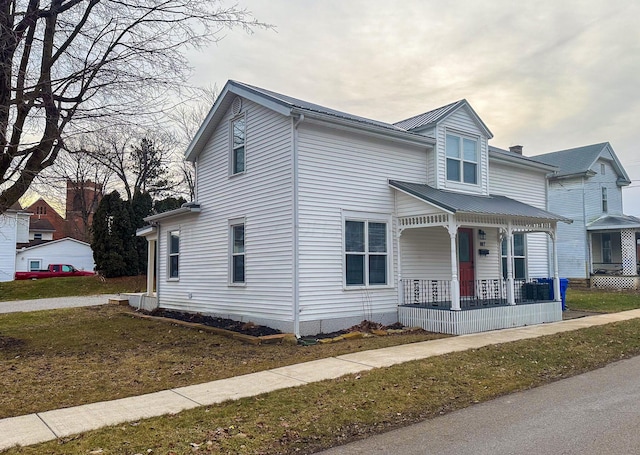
(45, 426)
(15, 306)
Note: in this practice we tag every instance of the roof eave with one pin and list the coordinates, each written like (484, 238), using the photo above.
(523, 161)
(185, 209)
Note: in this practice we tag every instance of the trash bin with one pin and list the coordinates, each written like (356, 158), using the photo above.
(564, 284)
(538, 290)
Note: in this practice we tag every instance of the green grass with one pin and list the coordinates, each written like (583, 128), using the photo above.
(71, 286)
(602, 301)
(309, 418)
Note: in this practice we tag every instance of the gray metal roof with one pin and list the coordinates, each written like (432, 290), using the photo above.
(516, 156)
(611, 222)
(468, 203)
(428, 118)
(574, 161)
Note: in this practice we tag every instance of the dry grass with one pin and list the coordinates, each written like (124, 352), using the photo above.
(306, 419)
(602, 301)
(61, 358)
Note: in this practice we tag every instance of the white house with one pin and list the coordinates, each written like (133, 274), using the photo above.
(601, 244)
(309, 220)
(14, 228)
(62, 251)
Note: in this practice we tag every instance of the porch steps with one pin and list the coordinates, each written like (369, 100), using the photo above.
(582, 284)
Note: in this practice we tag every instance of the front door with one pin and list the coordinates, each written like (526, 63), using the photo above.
(465, 262)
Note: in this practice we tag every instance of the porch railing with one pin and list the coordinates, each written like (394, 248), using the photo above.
(474, 294)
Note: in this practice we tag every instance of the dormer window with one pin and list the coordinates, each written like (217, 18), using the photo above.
(462, 159)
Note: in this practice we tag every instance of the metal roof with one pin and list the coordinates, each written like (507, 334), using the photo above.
(526, 160)
(611, 222)
(469, 203)
(428, 118)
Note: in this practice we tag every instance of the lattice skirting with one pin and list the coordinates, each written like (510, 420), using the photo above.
(480, 320)
(615, 282)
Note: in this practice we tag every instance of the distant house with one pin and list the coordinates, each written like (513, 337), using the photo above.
(14, 228)
(310, 220)
(602, 242)
(39, 255)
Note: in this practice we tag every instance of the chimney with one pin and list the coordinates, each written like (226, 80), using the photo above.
(516, 149)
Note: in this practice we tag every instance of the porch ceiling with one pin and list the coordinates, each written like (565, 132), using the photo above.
(614, 222)
(460, 203)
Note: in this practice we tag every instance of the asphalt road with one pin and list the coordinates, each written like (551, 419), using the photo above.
(594, 413)
(53, 303)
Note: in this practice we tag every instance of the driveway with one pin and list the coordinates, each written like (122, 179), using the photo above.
(53, 303)
(593, 413)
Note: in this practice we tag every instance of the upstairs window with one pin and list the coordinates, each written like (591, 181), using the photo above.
(237, 262)
(238, 137)
(462, 159)
(605, 203)
(366, 253)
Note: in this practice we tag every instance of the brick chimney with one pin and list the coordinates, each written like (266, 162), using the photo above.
(516, 149)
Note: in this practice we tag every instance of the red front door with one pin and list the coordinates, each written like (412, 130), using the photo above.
(465, 262)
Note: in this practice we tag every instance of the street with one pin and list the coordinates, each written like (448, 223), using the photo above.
(594, 413)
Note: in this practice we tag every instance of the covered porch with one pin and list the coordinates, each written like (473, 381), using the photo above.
(470, 263)
(613, 248)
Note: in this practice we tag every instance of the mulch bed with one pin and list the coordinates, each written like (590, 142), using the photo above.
(245, 328)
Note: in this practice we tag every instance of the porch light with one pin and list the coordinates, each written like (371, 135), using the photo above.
(482, 235)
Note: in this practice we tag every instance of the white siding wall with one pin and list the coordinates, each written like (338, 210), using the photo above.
(566, 198)
(419, 248)
(461, 122)
(529, 187)
(22, 235)
(407, 205)
(345, 171)
(7, 246)
(71, 252)
(263, 196)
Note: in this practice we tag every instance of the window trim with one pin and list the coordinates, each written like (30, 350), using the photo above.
(461, 160)
(30, 260)
(233, 148)
(170, 233)
(231, 224)
(368, 217)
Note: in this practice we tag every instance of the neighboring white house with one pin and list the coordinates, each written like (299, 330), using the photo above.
(310, 220)
(62, 251)
(601, 244)
(14, 228)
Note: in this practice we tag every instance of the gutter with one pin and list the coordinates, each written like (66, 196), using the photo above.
(296, 227)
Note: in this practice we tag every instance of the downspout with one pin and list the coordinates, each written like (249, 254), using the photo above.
(296, 227)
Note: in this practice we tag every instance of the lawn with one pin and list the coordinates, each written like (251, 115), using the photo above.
(61, 358)
(602, 301)
(306, 419)
(71, 286)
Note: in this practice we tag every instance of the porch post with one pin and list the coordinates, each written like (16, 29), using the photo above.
(151, 269)
(511, 299)
(556, 273)
(628, 244)
(399, 262)
(455, 284)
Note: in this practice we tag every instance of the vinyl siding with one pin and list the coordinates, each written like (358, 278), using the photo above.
(460, 122)
(407, 205)
(71, 252)
(342, 171)
(263, 197)
(7, 246)
(529, 187)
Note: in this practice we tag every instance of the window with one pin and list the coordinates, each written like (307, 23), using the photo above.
(237, 145)
(366, 253)
(519, 257)
(237, 254)
(35, 264)
(462, 159)
(174, 254)
(606, 248)
(602, 168)
(605, 204)
(37, 236)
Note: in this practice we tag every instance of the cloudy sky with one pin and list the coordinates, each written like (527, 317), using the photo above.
(548, 75)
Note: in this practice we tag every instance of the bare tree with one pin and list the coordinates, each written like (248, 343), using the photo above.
(68, 67)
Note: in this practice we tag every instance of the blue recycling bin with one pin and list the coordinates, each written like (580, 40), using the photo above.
(564, 284)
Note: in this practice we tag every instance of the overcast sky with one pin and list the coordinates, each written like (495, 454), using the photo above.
(548, 75)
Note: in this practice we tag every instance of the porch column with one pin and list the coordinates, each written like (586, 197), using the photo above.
(628, 243)
(399, 262)
(556, 273)
(511, 299)
(151, 269)
(455, 284)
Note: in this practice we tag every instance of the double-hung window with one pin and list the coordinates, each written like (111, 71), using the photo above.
(366, 253)
(237, 260)
(238, 139)
(174, 254)
(519, 257)
(462, 159)
(605, 202)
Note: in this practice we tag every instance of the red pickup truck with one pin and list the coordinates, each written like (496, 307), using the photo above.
(54, 270)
